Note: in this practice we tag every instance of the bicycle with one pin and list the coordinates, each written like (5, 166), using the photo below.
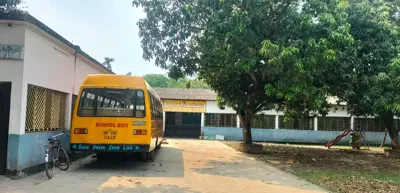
(55, 156)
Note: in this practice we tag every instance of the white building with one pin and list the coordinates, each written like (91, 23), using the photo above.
(194, 112)
(40, 76)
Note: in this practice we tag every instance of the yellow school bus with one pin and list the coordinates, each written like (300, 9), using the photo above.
(117, 113)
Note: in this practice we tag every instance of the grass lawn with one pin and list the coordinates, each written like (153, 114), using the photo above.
(339, 169)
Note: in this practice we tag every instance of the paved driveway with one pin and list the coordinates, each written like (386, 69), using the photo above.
(180, 166)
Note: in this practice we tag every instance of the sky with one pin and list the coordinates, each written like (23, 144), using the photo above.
(102, 28)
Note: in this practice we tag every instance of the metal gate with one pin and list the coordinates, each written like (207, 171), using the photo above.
(178, 124)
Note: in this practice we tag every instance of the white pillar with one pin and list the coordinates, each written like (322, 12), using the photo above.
(276, 121)
(315, 123)
(352, 122)
(68, 112)
(164, 118)
(237, 121)
(202, 121)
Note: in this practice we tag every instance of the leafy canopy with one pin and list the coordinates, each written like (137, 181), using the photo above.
(253, 53)
(159, 80)
(9, 4)
(156, 80)
(370, 85)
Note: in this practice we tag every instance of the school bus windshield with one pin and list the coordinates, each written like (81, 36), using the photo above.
(108, 102)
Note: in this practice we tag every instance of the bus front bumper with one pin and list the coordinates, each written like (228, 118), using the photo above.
(109, 147)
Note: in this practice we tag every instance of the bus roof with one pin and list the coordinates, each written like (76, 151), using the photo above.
(113, 80)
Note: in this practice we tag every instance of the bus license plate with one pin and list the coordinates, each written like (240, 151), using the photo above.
(110, 134)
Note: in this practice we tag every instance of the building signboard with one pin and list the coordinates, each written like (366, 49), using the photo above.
(189, 106)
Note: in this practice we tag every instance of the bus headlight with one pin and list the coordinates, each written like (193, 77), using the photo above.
(139, 123)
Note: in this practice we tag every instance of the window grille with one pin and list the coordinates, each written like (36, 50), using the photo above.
(220, 120)
(263, 121)
(306, 123)
(369, 124)
(333, 123)
(45, 109)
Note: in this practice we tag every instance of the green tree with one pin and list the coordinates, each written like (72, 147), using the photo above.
(129, 74)
(177, 83)
(369, 82)
(107, 62)
(156, 80)
(196, 83)
(9, 4)
(254, 54)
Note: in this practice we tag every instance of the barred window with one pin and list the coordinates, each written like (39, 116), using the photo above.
(263, 121)
(369, 124)
(333, 123)
(45, 109)
(220, 120)
(306, 123)
(156, 108)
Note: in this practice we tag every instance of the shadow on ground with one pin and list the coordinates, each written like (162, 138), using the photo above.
(237, 169)
(168, 163)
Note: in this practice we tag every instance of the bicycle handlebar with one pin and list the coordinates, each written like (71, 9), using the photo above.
(62, 133)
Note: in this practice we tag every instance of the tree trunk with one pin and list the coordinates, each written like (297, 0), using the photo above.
(384, 140)
(245, 119)
(393, 133)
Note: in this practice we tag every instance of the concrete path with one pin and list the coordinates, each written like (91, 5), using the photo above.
(181, 166)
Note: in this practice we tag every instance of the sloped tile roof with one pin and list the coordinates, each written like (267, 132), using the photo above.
(203, 94)
(186, 94)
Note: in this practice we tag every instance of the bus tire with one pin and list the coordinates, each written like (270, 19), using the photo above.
(158, 144)
(100, 156)
(150, 156)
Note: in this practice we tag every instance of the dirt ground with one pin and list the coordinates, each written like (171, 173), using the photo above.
(181, 166)
(338, 170)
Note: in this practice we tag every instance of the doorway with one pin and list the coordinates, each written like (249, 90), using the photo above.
(5, 96)
(185, 125)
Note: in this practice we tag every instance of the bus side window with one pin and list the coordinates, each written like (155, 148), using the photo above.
(139, 104)
(152, 106)
(87, 104)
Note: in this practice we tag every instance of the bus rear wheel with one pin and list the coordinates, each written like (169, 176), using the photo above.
(149, 156)
(158, 144)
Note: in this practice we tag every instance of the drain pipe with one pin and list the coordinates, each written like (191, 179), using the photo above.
(77, 48)
(73, 84)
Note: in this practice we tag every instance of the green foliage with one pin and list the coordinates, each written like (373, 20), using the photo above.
(370, 69)
(290, 55)
(196, 83)
(9, 4)
(156, 80)
(107, 62)
(159, 80)
(254, 54)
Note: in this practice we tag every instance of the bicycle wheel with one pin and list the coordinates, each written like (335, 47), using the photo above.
(63, 159)
(49, 164)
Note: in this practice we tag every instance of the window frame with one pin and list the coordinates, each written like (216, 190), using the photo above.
(107, 102)
(156, 111)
